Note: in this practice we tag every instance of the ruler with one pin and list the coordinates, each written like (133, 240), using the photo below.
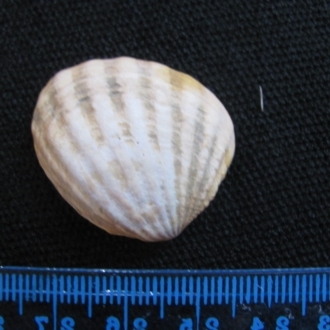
(68, 299)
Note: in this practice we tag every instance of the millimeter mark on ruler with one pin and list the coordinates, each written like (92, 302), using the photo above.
(185, 300)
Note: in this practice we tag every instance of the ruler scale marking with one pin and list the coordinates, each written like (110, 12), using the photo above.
(205, 290)
(148, 295)
(176, 291)
(227, 290)
(262, 288)
(212, 290)
(162, 298)
(304, 294)
(47, 288)
(140, 290)
(241, 290)
(54, 294)
(97, 290)
(234, 288)
(311, 288)
(297, 291)
(20, 288)
(6, 287)
(104, 290)
(154, 289)
(255, 289)
(290, 289)
(41, 287)
(324, 287)
(283, 289)
(248, 289)
(118, 289)
(197, 303)
(27, 287)
(111, 295)
(170, 290)
(13, 288)
(191, 290)
(89, 297)
(219, 290)
(125, 293)
(34, 287)
(82, 290)
(75, 289)
(317, 284)
(62, 290)
(133, 290)
(269, 290)
(183, 290)
(277, 286)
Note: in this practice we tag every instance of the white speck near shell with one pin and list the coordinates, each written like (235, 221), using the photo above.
(135, 147)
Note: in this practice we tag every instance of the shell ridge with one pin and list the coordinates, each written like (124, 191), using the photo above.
(136, 133)
(54, 156)
(142, 91)
(214, 118)
(104, 152)
(82, 94)
(84, 105)
(166, 132)
(124, 133)
(187, 92)
(121, 129)
(176, 144)
(222, 169)
(58, 159)
(209, 116)
(203, 182)
(199, 131)
(148, 94)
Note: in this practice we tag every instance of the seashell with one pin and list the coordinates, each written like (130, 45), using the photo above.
(135, 147)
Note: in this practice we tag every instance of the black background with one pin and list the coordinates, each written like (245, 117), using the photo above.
(273, 208)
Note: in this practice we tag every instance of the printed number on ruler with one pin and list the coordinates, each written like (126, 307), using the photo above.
(67, 323)
(113, 323)
(212, 323)
(324, 323)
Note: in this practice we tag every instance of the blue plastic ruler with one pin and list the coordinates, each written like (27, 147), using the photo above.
(67, 299)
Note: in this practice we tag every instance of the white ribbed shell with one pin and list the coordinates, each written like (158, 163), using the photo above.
(135, 147)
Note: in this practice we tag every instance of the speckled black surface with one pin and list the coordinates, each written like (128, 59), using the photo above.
(273, 208)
